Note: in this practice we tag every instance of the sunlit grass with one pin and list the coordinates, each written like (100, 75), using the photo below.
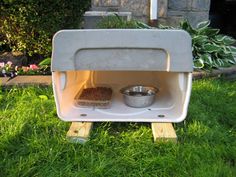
(33, 140)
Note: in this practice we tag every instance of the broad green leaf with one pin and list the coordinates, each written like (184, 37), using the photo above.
(198, 63)
(43, 97)
(143, 25)
(229, 58)
(220, 62)
(233, 62)
(210, 31)
(203, 24)
(226, 55)
(232, 49)
(46, 61)
(164, 27)
(225, 50)
(185, 25)
(228, 40)
(118, 17)
(215, 64)
(211, 48)
(199, 39)
(219, 37)
(207, 59)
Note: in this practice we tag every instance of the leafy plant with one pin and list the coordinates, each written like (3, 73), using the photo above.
(7, 69)
(45, 65)
(28, 26)
(10, 70)
(210, 49)
(115, 21)
(45, 62)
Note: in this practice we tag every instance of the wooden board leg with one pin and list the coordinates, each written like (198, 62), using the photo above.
(163, 132)
(79, 132)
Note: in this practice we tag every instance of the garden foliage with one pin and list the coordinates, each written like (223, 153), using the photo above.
(115, 21)
(10, 70)
(210, 49)
(28, 25)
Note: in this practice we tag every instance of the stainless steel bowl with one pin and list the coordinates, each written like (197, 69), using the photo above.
(139, 96)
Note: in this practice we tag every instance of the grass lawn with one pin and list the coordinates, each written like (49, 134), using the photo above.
(33, 140)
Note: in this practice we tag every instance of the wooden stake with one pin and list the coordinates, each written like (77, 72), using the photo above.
(79, 132)
(163, 132)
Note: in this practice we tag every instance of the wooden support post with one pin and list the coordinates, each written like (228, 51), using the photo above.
(79, 132)
(163, 132)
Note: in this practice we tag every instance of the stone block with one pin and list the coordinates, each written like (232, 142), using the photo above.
(162, 8)
(195, 17)
(30, 80)
(3, 81)
(109, 3)
(137, 7)
(200, 5)
(171, 21)
(92, 18)
(143, 19)
(96, 3)
(105, 5)
(108, 9)
(178, 4)
(176, 13)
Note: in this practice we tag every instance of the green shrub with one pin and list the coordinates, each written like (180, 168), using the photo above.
(117, 22)
(210, 49)
(28, 25)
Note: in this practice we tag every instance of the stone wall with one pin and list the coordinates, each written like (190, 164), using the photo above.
(138, 8)
(192, 10)
(170, 11)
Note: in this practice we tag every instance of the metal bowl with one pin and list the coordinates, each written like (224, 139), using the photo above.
(139, 96)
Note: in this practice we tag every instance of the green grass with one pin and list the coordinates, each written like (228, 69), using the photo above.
(33, 140)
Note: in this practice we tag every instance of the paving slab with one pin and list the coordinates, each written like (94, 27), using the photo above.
(3, 80)
(30, 80)
(226, 72)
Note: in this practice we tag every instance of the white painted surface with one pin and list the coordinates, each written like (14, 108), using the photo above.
(153, 9)
(171, 101)
(160, 58)
(71, 47)
(63, 80)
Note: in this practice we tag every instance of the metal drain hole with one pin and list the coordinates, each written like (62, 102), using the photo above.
(161, 115)
(83, 115)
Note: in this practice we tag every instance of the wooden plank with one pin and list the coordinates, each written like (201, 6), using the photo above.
(79, 131)
(163, 132)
